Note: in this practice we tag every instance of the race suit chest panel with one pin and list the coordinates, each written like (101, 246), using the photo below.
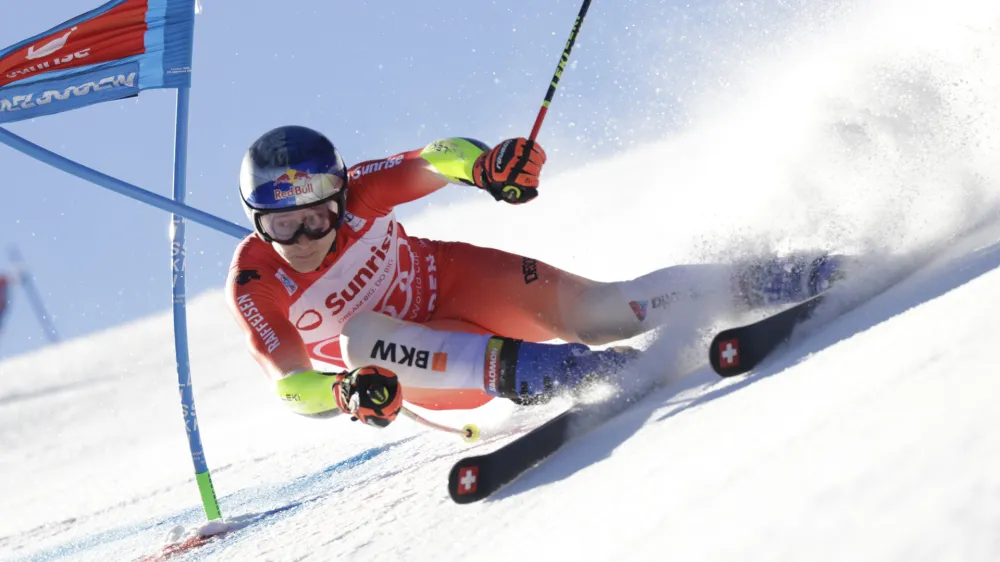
(382, 270)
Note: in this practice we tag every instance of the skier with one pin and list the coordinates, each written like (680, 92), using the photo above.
(344, 310)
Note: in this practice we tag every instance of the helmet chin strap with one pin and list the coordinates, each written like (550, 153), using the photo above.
(333, 245)
(342, 207)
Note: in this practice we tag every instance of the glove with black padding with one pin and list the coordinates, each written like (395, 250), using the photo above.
(509, 172)
(371, 395)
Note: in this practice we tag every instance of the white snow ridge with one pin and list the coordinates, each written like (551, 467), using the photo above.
(873, 128)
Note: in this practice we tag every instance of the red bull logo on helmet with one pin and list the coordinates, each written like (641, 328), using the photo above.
(294, 187)
(280, 194)
(300, 183)
(291, 175)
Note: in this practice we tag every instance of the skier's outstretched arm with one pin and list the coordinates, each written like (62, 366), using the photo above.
(509, 172)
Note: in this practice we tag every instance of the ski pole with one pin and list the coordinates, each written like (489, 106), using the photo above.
(559, 70)
(470, 432)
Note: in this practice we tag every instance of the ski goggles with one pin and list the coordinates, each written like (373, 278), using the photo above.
(315, 222)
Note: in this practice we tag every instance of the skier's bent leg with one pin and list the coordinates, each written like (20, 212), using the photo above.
(618, 310)
(528, 299)
(438, 369)
(523, 298)
(431, 364)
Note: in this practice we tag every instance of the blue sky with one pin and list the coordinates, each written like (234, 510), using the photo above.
(376, 77)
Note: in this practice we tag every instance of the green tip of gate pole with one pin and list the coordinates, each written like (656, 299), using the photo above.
(208, 498)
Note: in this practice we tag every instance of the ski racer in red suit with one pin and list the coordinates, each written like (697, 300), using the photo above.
(345, 311)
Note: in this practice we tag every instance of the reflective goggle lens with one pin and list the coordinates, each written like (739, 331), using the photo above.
(313, 222)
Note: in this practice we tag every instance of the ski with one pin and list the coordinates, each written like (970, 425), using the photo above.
(475, 478)
(738, 350)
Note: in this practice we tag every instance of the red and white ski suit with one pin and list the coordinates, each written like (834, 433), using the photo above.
(294, 320)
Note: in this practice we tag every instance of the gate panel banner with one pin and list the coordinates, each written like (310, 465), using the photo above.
(109, 53)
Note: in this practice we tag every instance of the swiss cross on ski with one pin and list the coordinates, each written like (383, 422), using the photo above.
(738, 350)
(729, 353)
(468, 481)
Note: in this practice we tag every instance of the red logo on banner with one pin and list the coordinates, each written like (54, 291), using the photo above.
(116, 34)
(729, 353)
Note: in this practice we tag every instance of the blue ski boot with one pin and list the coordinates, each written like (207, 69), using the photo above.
(531, 373)
(789, 279)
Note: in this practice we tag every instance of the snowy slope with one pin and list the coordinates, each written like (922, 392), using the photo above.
(871, 129)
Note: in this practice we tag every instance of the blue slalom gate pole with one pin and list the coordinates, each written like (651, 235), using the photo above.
(202, 475)
(34, 297)
(118, 186)
(161, 60)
